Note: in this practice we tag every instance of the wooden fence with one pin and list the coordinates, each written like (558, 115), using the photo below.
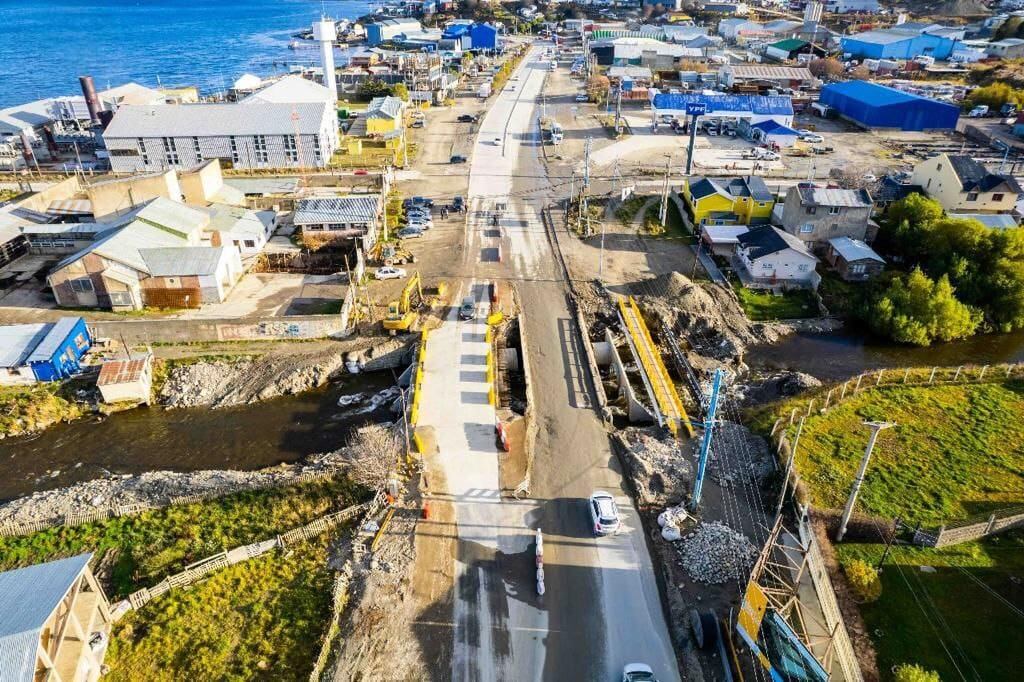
(197, 571)
(98, 514)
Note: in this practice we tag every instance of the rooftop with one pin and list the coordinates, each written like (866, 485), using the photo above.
(384, 107)
(768, 239)
(853, 250)
(760, 71)
(821, 196)
(57, 333)
(121, 371)
(211, 120)
(351, 209)
(173, 216)
(291, 90)
(974, 177)
(17, 341)
(183, 261)
(997, 221)
(756, 104)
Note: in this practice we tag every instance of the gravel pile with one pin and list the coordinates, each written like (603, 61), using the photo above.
(660, 472)
(714, 553)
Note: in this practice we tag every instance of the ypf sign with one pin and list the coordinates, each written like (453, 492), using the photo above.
(696, 108)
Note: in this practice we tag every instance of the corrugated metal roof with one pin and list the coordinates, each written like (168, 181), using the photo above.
(121, 371)
(353, 209)
(879, 37)
(17, 341)
(853, 250)
(998, 221)
(824, 196)
(384, 107)
(182, 260)
(756, 104)
(54, 338)
(123, 245)
(27, 598)
(724, 234)
(291, 90)
(769, 72)
(210, 120)
(173, 216)
(70, 207)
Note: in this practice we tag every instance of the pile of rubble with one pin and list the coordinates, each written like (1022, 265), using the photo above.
(660, 471)
(714, 553)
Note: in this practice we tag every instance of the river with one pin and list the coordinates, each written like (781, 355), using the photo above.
(146, 439)
(837, 356)
(47, 44)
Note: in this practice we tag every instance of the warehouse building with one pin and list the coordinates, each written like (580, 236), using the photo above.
(898, 44)
(46, 351)
(875, 106)
(389, 29)
(250, 134)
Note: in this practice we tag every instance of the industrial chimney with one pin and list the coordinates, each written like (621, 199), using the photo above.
(325, 33)
(92, 100)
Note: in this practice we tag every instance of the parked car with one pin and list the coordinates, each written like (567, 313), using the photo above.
(421, 201)
(457, 158)
(421, 223)
(418, 211)
(418, 123)
(812, 137)
(468, 118)
(638, 672)
(604, 513)
(979, 111)
(411, 232)
(582, 97)
(458, 204)
(388, 272)
(467, 311)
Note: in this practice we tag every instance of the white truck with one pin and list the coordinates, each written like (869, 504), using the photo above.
(484, 91)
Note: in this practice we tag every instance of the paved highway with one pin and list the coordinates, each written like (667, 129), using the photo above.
(602, 607)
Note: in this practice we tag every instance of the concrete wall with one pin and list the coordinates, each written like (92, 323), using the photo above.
(258, 329)
(117, 196)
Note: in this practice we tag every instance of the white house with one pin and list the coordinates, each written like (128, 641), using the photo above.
(249, 231)
(122, 380)
(767, 257)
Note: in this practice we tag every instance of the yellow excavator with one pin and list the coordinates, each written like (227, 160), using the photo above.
(403, 312)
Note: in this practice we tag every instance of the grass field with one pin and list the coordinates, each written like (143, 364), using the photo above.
(153, 544)
(974, 592)
(763, 305)
(956, 452)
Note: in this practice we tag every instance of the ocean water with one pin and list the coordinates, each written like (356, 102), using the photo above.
(47, 44)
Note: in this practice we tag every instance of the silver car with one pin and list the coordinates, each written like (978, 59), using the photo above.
(604, 513)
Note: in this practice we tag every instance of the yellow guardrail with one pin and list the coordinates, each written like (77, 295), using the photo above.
(665, 393)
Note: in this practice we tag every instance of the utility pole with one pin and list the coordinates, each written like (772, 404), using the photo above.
(705, 443)
(585, 189)
(875, 427)
(663, 210)
(618, 110)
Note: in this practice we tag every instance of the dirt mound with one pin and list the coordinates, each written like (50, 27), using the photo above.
(660, 471)
(713, 321)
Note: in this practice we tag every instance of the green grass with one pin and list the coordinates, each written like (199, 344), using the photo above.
(764, 305)
(261, 619)
(31, 408)
(154, 544)
(985, 628)
(956, 452)
(628, 209)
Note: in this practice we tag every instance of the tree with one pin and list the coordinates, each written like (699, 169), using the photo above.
(917, 310)
(908, 672)
(373, 87)
(994, 96)
(864, 581)
(371, 455)
(597, 88)
(826, 69)
(400, 91)
(905, 223)
(860, 73)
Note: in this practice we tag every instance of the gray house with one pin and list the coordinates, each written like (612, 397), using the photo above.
(354, 219)
(815, 215)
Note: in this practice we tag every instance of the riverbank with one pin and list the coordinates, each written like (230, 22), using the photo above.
(29, 409)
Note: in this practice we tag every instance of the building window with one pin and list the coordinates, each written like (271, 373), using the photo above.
(142, 150)
(80, 341)
(858, 268)
(972, 196)
(834, 210)
(291, 149)
(235, 158)
(170, 151)
(997, 197)
(197, 149)
(834, 227)
(81, 285)
(316, 147)
(250, 244)
(811, 210)
(806, 228)
(259, 142)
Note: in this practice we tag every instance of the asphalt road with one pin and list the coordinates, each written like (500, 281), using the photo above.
(602, 608)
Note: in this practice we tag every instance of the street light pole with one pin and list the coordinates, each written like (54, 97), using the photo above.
(875, 427)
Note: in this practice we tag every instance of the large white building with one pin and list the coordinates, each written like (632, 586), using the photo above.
(254, 133)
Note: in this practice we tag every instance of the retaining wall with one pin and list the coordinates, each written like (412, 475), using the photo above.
(256, 329)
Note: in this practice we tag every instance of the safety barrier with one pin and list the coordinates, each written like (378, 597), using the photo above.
(417, 393)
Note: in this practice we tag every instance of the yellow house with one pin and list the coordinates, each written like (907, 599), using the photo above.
(728, 201)
(963, 185)
(384, 115)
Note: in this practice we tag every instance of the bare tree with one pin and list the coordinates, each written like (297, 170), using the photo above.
(371, 455)
(826, 69)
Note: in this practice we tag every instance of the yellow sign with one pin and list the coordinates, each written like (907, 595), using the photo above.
(755, 603)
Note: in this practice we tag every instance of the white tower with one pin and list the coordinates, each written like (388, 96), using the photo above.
(325, 34)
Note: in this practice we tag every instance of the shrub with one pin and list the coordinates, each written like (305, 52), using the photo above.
(908, 672)
(864, 581)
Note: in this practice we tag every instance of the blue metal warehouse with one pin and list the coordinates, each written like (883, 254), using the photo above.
(42, 351)
(876, 106)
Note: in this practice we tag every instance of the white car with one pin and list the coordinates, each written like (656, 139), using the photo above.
(422, 223)
(812, 137)
(388, 272)
(411, 232)
(604, 513)
(582, 97)
(638, 672)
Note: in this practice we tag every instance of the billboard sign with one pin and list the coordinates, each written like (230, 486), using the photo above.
(696, 108)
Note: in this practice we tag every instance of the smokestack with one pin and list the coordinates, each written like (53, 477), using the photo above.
(325, 33)
(92, 100)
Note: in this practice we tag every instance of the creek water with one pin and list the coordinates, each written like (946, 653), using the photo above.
(245, 437)
(837, 356)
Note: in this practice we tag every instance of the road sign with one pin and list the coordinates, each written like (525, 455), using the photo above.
(627, 85)
(696, 108)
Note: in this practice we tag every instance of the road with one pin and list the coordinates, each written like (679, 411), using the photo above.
(602, 608)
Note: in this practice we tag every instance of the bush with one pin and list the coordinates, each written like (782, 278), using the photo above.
(917, 310)
(907, 672)
(864, 581)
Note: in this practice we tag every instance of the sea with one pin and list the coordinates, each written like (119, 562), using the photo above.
(47, 44)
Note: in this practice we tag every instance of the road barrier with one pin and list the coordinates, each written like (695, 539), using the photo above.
(417, 393)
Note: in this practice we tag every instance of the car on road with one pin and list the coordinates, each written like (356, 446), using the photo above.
(421, 201)
(468, 118)
(604, 513)
(411, 232)
(467, 311)
(582, 97)
(388, 272)
(638, 672)
(457, 158)
(458, 204)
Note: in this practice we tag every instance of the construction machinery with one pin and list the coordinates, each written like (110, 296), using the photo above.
(403, 313)
(391, 253)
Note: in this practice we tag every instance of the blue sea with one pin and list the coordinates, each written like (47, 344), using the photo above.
(47, 44)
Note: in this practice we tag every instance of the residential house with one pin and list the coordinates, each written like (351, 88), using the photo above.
(854, 260)
(47, 351)
(126, 380)
(767, 257)
(721, 240)
(54, 622)
(248, 231)
(963, 185)
(815, 215)
(248, 134)
(890, 189)
(383, 115)
(1007, 48)
(352, 218)
(728, 201)
(995, 221)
